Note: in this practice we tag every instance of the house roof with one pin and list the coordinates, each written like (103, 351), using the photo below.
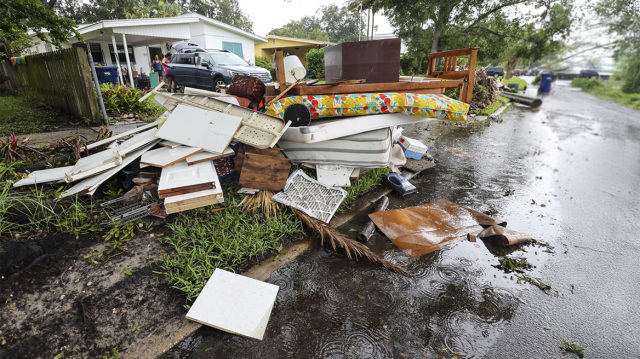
(169, 22)
(314, 42)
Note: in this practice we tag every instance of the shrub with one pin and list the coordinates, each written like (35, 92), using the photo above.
(537, 80)
(122, 100)
(263, 62)
(586, 83)
(315, 62)
(407, 63)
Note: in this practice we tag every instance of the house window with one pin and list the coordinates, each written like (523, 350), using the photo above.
(234, 47)
(96, 52)
(123, 59)
(48, 47)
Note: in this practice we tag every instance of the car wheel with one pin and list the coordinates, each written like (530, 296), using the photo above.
(218, 81)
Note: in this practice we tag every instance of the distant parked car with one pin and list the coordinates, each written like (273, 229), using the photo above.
(207, 70)
(589, 74)
(495, 71)
(533, 72)
(516, 72)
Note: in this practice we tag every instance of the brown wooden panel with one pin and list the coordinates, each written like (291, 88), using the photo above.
(242, 149)
(458, 52)
(185, 190)
(264, 172)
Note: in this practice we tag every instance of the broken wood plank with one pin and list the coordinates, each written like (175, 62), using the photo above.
(44, 176)
(194, 205)
(208, 156)
(165, 157)
(124, 134)
(189, 198)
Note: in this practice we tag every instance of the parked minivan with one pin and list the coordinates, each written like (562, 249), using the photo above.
(207, 70)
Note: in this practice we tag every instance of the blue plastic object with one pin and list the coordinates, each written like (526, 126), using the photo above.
(545, 82)
(107, 74)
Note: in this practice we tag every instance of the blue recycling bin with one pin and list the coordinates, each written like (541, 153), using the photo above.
(545, 82)
(107, 74)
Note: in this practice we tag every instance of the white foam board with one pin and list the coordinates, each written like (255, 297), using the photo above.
(334, 175)
(235, 304)
(183, 175)
(200, 128)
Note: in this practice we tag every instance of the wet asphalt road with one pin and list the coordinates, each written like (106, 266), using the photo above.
(567, 174)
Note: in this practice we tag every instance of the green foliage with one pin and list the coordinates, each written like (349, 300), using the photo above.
(489, 110)
(204, 241)
(263, 62)
(537, 80)
(315, 62)
(332, 23)
(120, 100)
(367, 181)
(600, 89)
(120, 235)
(632, 74)
(571, 347)
(407, 63)
(18, 17)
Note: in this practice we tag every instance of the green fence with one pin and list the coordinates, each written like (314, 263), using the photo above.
(62, 79)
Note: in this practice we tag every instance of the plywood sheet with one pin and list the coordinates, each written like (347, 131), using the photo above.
(209, 130)
(235, 304)
(208, 156)
(182, 175)
(264, 172)
(165, 156)
(193, 205)
(194, 197)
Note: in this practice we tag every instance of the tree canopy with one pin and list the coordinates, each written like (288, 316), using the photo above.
(332, 23)
(622, 19)
(227, 11)
(504, 32)
(18, 17)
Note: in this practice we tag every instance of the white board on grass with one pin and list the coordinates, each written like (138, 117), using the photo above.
(183, 175)
(200, 128)
(235, 304)
(164, 156)
(44, 176)
(208, 156)
(336, 176)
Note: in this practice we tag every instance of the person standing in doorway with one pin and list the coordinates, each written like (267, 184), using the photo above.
(156, 65)
(168, 77)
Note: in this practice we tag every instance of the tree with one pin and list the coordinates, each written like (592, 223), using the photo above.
(308, 27)
(622, 18)
(18, 17)
(332, 23)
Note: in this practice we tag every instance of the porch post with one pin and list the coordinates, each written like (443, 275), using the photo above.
(115, 49)
(126, 55)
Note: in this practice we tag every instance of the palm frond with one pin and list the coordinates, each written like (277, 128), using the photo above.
(353, 248)
(261, 200)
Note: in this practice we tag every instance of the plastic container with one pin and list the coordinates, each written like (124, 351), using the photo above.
(545, 82)
(399, 184)
(107, 74)
(293, 69)
(412, 148)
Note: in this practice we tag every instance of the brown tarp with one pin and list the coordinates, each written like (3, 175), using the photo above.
(429, 227)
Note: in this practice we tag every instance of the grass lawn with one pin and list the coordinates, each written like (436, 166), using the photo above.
(23, 113)
(606, 91)
(492, 108)
(516, 80)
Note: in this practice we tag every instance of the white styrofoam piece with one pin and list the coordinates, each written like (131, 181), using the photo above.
(356, 173)
(235, 304)
(336, 176)
(166, 156)
(183, 175)
(332, 129)
(91, 184)
(44, 176)
(208, 156)
(310, 196)
(191, 126)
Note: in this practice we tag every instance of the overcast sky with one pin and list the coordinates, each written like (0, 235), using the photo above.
(270, 14)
